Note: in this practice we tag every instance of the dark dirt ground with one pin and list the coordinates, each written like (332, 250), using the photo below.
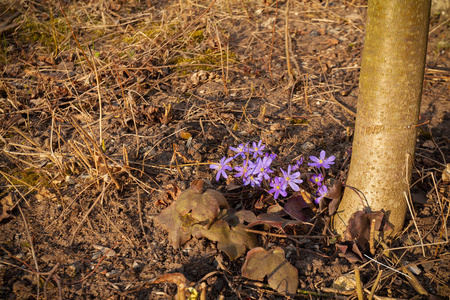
(164, 71)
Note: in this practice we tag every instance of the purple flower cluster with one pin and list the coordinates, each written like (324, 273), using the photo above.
(256, 168)
(317, 179)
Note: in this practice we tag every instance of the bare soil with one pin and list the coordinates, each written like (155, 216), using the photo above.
(109, 108)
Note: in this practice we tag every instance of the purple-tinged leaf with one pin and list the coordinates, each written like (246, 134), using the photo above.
(274, 220)
(358, 228)
(351, 251)
(335, 194)
(170, 220)
(281, 275)
(231, 240)
(202, 207)
(194, 208)
(245, 216)
(294, 206)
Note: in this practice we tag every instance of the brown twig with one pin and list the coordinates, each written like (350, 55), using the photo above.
(52, 271)
(8, 24)
(359, 290)
(30, 240)
(372, 237)
(375, 285)
(273, 41)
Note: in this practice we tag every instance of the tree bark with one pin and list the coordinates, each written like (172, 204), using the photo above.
(391, 82)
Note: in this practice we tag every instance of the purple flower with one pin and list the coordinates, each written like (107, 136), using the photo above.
(240, 150)
(317, 179)
(253, 180)
(291, 179)
(271, 155)
(256, 149)
(247, 168)
(298, 164)
(222, 167)
(321, 161)
(263, 167)
(321, 192)
(277, 187)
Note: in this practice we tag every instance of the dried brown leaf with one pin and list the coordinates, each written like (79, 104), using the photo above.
(358, 229)
(351, 251)
(245, 216)
(170, 220)
(231, 240)
(176, 278)
(281, 275)
(294, 206)
(202, 207)
(7, 206)
(446, 174)
(335, 194)
(274, 220)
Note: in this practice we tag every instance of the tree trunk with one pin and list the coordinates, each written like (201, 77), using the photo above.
(391, 82)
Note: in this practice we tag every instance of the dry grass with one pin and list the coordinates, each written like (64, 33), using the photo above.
(164, 75)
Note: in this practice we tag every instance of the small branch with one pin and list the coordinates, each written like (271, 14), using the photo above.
(359, 290)
(8, 24)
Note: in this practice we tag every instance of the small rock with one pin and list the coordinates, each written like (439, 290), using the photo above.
(69, 180)
(314, 33)
(429, 144)
(308, 146)
(415, 269)
(74, 269)
(112, 273)
(137, 265)
(346, 282)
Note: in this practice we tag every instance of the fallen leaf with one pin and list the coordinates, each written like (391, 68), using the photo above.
(45, 194)
(274, 220)
(7, 206)
(281, 275)
(446, 174)
(176, 278)
(245, 216)
(344, 283)
(108, 252)
(180, 229)
(185, 135)
(335, 194)
(231, 240)
(357, 234)
(204, 212)
(294, 206)
(333, 41)
(276, 209)
(171, 192)
(202, 207)
(358, 229)
(351, 251)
